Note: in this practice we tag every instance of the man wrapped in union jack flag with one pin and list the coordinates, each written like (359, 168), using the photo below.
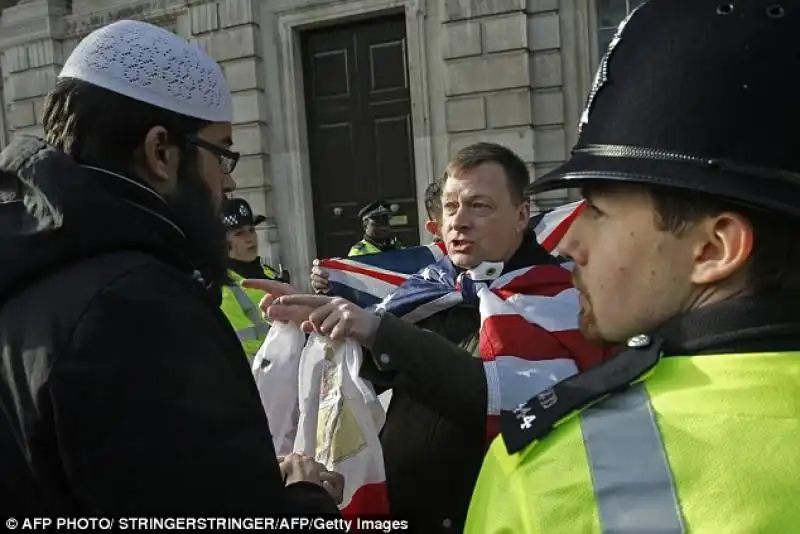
(490, 324)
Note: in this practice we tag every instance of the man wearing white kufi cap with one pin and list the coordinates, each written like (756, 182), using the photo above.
(123, 388)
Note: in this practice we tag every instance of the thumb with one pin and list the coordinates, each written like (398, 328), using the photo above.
(275, 288)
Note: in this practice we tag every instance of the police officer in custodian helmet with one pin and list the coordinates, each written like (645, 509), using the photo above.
(687, 256)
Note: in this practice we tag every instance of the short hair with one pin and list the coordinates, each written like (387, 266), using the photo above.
(99, 127)
(773, 263)
(433, 200)
(517, 175)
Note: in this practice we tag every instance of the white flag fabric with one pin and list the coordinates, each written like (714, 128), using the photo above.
(275, 369)
(340, 418)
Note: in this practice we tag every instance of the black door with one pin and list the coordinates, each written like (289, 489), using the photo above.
(359, 127)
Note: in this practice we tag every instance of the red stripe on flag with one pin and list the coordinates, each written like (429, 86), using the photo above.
(393, 279)
(551, 241)
(541, 280)
(369, 499)
(514, 335)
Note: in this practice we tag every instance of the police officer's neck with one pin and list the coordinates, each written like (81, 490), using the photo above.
(712, 294)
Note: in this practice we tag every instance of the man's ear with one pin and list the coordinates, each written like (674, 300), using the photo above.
(432, 227)
(724, 244)
(159, 161)
(524, 216)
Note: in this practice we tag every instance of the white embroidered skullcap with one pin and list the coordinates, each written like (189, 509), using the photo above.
(152, 65)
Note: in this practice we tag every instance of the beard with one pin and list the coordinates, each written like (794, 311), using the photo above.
(193, 209)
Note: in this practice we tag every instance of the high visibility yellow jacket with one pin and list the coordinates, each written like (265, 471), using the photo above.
(240, 306)
(688, 444)
(365, 246)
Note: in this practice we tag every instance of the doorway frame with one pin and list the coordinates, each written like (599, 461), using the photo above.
(296, 159)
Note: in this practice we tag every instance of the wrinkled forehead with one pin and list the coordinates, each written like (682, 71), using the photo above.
(487, 179)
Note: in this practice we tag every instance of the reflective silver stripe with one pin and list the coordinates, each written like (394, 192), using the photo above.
(253, 314)
(247, 334)
(249, 309)
(633, 483)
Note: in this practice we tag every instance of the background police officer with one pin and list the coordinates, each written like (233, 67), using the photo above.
(688, 249)
(240, 305)
(378, 236)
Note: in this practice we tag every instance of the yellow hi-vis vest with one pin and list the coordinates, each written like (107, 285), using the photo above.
(362, 248)
(705, 444)
(240, 306)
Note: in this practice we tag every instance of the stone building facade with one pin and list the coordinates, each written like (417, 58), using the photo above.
(510, 71)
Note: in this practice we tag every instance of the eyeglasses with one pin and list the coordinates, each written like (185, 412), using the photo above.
(227, 158)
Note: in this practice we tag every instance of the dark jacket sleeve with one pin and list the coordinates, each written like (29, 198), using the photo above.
(156, 411)
(429, 368)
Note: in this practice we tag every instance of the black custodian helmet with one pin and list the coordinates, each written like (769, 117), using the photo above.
(700, 95)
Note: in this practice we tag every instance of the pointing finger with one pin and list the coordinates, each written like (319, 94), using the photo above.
(277, 289)
(312, 301)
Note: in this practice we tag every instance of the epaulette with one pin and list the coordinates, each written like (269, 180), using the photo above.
(535, 419)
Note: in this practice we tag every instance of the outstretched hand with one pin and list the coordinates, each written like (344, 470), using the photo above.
(275, 290)
(332, 317)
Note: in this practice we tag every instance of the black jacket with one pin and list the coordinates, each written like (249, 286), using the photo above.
(755, 323)
(434, 439)
(123, 389)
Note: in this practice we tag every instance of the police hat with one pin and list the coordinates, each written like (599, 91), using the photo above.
(237, 213)
(379, 208)
(699, 95)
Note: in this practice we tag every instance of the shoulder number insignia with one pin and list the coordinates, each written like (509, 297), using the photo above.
(536, 418)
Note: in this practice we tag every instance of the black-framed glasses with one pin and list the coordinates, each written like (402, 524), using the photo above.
(227, 158)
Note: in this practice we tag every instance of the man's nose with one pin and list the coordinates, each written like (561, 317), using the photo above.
(569, 246)
(461, 218)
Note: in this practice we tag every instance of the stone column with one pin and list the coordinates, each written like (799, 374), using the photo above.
(229, 32)
(504, 80)
(31, 58)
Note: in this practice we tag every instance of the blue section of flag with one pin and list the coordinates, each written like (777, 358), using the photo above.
(405, 261)
(428, 284)
(411, 261)
(362, 298)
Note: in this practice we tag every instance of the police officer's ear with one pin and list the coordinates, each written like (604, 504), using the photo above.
(722, 246)
(157, 160)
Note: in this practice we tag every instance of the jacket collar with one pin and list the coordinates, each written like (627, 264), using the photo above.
(756, 323)
(154, 209)
(138, 195)
(529, 253)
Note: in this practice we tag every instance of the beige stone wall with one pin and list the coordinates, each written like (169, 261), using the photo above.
(506, 79)
(510, 71)
(31, 60)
